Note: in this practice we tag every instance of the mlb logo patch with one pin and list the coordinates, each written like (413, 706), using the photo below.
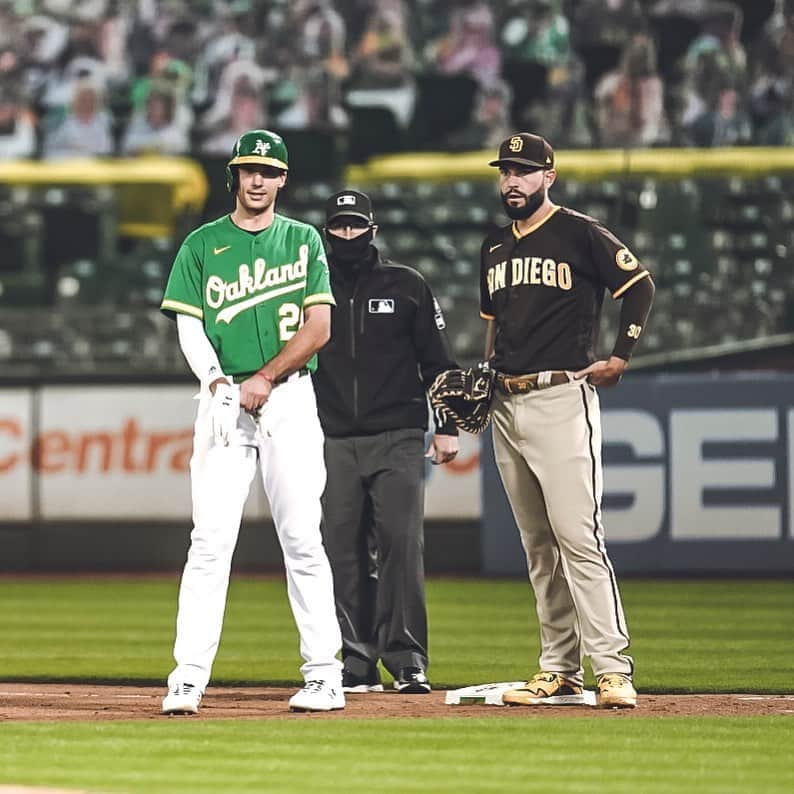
(381, 305)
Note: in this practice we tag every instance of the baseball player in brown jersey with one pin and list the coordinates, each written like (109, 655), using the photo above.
(542, 284)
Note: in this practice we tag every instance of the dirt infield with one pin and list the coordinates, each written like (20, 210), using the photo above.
(61, 702)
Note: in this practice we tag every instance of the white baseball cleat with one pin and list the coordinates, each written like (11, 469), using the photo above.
(317, 695)
(182, 699)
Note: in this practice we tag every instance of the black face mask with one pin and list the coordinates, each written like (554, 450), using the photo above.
(350, 251)
(533, 202)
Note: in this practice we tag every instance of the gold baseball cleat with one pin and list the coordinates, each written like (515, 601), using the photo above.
(615, 690)
(546, 689)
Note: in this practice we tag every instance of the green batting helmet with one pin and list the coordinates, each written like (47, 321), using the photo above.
(262, 147)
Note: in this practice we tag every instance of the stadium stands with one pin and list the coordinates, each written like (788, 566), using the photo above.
(719, 250)
(78, 296)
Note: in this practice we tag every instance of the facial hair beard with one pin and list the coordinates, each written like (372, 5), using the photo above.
(531, 205)
(350, 251)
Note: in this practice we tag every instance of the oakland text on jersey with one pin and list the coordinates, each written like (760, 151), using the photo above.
(259, 284)
(529, 270)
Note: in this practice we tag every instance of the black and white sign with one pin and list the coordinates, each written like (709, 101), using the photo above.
(698, 476)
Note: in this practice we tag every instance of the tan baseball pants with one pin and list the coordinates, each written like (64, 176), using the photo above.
(547, 446)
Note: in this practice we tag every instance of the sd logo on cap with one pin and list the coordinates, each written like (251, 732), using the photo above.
(524, 148)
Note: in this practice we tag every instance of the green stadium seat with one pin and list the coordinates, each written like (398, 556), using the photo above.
(392, 216)
(723, 240)
(470, 244)
(727, 265)
(428, 266)
(643, 241)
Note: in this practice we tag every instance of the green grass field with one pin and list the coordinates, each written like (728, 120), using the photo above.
(688, 636)
(709, 756)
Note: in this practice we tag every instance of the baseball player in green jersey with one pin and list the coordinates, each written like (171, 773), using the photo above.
(251, 296)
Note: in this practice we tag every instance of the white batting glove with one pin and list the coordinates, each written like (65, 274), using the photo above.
(224, 411)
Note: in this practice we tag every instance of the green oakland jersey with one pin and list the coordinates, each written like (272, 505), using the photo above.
(250, 290)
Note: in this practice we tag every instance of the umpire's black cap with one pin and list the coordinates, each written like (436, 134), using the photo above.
(351, 203)
(526, 149)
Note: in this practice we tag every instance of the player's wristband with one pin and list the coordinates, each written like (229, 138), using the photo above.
(267, 377)
(446, 428)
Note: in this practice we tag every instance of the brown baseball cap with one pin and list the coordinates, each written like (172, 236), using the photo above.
(525, 149)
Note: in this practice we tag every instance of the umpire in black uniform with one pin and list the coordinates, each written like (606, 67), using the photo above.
(387, 345)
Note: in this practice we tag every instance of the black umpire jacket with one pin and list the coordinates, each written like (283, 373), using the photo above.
(387, 345)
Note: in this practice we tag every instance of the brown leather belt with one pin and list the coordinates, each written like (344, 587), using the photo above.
(523, 384)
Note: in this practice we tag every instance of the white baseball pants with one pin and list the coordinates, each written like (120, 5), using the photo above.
(287, 442)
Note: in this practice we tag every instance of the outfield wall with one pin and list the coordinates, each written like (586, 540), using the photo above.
(121, 453)
(698, 477)
(95, 476)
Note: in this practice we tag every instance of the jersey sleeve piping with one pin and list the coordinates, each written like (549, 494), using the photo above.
(618, 292)
(178, 307)
(320, 297)
(487, 316)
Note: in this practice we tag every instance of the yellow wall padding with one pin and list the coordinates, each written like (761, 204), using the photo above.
(584, 164)
(152, 191)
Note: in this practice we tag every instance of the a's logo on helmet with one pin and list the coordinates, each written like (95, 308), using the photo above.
(516, 143)
(626, 260)
(262, 147)
(346, 200)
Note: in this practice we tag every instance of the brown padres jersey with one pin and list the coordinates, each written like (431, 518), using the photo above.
(545, 289)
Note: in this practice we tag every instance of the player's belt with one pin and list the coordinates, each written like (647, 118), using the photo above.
(288, 379)
(295, 375)
(522, 384)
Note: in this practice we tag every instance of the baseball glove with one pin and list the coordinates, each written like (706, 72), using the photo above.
(464, 396)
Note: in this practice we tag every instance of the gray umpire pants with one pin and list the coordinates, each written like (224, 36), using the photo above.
(374, 500)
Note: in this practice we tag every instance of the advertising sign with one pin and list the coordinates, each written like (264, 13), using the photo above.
(698, 476)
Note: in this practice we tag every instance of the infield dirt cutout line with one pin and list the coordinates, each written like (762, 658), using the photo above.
(87, 702)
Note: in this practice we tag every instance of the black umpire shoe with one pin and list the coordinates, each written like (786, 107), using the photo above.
(412, 681)
(356, 684)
